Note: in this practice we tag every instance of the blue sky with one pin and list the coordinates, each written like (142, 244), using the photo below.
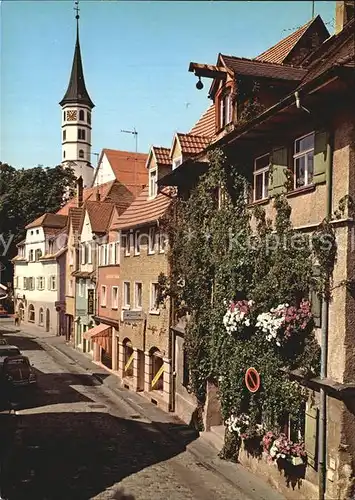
(135, 56)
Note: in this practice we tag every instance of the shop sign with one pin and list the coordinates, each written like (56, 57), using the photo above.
(91, 301)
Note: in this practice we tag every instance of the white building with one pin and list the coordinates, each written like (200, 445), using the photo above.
(39, 273)
(76, 121)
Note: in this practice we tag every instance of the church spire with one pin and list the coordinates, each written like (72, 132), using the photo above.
(76, 91)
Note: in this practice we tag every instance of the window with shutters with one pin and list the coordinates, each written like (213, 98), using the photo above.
(303, 161)
(261, 177)
(53, 283)
(311, 434)
(40, 283)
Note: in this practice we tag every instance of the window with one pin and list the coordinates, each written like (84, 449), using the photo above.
(154, 306)
(16, 282)
(126, 294)
(31, 313)
(261, 177)
(153, 184)
(117, 252)
(70, 288)
(138, 295)
(303, 161)
(89, 252)
(64, 135)
(40, 283)
(81, 288)
(81, 134)
(38, 254)
(126, 244)
(25, 283)
(177, 162)
(41, 316)
(63, 154)
(151, 243)
(137, 245)
(31, 258)
(53, 282)
(81, 115)
(114, 298)
(81, 153)
(225, 112)
(71, 257)
(103, 295)
(89, 117)
(51, 247)
(37, 231)
(30, 283)
(162, 242)
(64, 116)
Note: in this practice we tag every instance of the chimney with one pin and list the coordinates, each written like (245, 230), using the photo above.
(344, 11)
(79, 191)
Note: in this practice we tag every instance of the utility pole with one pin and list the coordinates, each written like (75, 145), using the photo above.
(133, 132)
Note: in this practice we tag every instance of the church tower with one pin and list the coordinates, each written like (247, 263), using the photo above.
(76, 119)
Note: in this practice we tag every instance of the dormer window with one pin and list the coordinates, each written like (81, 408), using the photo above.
(225, 109)
(153, 188)
(177, 162)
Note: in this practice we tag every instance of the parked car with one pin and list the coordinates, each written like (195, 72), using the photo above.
(18, 372)
(8, 351)
(3, 341)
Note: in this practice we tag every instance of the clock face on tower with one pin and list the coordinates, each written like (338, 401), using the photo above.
(71, 115)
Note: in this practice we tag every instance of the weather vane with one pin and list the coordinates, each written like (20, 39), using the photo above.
(76, 8)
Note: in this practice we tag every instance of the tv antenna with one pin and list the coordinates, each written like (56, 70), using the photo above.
(133, 132)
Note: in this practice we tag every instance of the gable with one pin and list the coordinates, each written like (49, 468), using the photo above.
(104, 172)
(175, 148)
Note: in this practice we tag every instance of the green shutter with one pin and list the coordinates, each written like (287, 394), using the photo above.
(311, 435)
(279, 166)
(322, 156)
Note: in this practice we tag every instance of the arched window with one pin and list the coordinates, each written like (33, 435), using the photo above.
(89, 117)
(81, 134)
(63, 115)
(128, 358)
(81, 115)
(38, 254)
(81, 153)
(31, 256)
(41, 316)
(64, 135)
(157, 369)
(31, 313)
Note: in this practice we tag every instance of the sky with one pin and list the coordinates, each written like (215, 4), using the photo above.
(135, 57)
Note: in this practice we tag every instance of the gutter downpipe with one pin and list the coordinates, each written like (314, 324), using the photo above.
(322, 449)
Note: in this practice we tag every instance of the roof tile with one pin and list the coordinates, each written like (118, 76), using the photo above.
(129, 168)
(205, 126)
(99, 215)
(192, 144)
(144, 210)
(250, 67)
(162, 155)
(49, 220)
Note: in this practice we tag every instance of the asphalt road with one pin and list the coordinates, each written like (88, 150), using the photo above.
(71, 439)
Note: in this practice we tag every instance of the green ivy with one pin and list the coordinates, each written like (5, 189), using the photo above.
(219, 251)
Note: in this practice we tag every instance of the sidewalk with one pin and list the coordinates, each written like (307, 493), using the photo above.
(249, 486)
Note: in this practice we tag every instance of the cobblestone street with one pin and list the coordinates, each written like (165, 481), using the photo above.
(72, 439)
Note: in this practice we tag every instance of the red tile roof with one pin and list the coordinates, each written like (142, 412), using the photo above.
(278, 52)
(192, 144)
(49, 221)
(144, 210)
(205, 125)
(129, 168)
(249, 67)
(99, 215)
(162, 155)
(88, 194)
(75, 214)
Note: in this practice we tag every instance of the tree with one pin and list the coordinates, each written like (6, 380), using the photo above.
(26, 194)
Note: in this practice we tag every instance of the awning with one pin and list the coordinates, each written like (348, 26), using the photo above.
(101, 334)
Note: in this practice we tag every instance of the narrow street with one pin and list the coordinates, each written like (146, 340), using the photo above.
(71, 438)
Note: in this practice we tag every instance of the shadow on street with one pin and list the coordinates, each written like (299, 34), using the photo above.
(76, 455)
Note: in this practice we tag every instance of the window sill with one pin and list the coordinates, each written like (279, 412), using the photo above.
(154, 312)
(255, 203)
(301, 190)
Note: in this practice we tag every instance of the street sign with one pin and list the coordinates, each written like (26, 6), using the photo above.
(128, 315)
(91, 301)
(252, 380)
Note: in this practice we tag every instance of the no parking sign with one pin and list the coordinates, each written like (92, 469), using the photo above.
(252, 380)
